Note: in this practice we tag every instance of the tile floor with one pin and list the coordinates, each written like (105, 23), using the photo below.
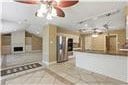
(20, 69)
(60, 74)
(40, 77)
(80, 76)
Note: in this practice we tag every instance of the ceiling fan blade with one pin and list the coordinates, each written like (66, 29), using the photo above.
(27, 1)
(60, 12)
(67, 3)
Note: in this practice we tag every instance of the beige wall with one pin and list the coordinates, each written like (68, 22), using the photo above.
(52, 42)
(88, 42)
(82, 42)
(45, 44)
(95, 43)
(49, 43)
(126, 11)
(121, 35)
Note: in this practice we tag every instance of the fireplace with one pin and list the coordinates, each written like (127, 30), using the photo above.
(17, 49)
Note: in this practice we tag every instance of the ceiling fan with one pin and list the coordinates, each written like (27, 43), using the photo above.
(50, 8)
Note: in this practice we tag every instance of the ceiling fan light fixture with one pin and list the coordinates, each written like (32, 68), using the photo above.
(53, 12)
(86, 25)
(57, 1)
(49, 16)
(43, 8)
(40, 14)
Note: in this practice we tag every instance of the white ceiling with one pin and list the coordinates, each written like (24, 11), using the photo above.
(18, 16)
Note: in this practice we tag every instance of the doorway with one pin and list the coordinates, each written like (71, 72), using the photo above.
(111, 44)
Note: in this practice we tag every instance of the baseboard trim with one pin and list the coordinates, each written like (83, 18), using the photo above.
(53, 62)
(71, 57)
(49, 63)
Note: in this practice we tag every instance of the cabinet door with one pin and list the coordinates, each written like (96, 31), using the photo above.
(126, 11)
(127, 28)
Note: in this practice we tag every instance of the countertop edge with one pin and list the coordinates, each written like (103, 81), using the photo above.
(121, 55)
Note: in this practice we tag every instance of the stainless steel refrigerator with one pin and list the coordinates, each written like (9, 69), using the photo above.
(61, 49)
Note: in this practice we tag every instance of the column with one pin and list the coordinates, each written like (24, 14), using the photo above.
(49, 44)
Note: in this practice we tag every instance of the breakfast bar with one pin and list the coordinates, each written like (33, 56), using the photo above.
(114, 66)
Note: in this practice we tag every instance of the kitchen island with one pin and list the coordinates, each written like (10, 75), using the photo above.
(115, 66)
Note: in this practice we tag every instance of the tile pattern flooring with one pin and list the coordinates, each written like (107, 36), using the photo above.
(40, 77)
(62, 74)
(19, 69)
(79, 76)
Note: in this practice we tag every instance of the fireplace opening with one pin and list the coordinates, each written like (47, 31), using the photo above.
(18, 49)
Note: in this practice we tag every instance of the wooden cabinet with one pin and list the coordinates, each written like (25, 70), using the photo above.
(28, 44)
(33, 43)
(36, 43)
(127, 28)
(6, 44)
(126, 10)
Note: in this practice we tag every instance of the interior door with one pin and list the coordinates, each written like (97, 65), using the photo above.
(111, 44)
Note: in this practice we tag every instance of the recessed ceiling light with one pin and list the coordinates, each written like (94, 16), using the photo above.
(86, 25)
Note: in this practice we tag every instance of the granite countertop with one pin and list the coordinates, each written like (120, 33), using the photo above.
(102, 52)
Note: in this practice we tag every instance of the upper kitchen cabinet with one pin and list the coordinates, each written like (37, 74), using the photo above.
(126, 10)
(127, 28)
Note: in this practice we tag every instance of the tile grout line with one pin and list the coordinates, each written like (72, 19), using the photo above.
(41, 78)
(67, 82)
